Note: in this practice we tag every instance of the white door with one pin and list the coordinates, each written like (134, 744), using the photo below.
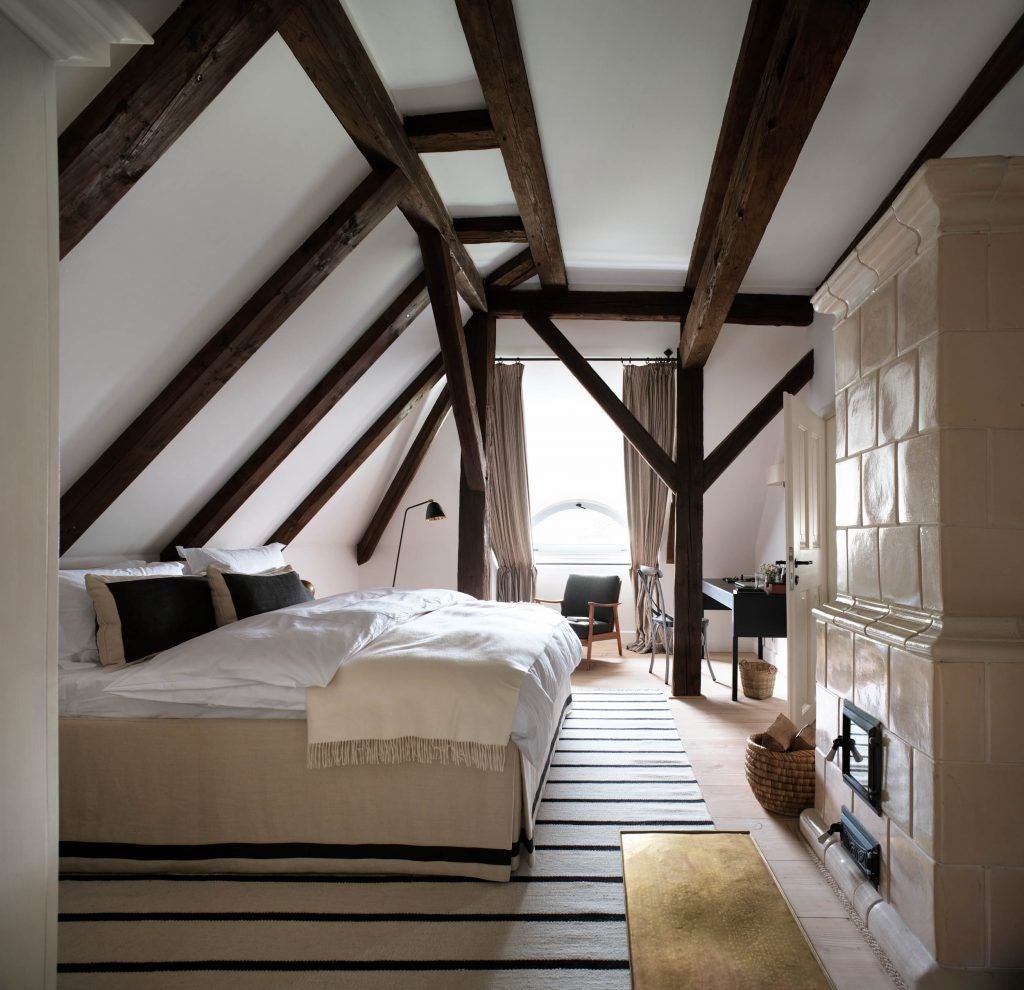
(806, 556)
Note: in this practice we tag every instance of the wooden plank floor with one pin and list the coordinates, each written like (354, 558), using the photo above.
(714, 731)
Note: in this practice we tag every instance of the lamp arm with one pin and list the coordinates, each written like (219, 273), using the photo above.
(401, 536)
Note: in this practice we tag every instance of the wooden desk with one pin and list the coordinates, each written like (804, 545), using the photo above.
(754, 613)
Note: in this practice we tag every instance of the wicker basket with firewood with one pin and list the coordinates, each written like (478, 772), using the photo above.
(780, 767)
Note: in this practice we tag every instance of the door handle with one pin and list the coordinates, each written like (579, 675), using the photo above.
(798, 563)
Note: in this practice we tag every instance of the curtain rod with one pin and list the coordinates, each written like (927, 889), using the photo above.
(662, 359)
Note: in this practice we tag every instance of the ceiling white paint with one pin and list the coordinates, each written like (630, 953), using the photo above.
(629, 99)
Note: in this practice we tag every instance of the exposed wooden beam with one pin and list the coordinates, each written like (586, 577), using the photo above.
(333, 481)
(1005, 63)
(490, 28)
(490, 230)
(755, 50)
(403, 477)
(297, 425)
(459, 130)
(689, 532)
(808, 43)
(328, 48)
(148, 105)
(218, 360)
(573, 304)
(757, 419)
(437, 267)
(511, 273)
(632, 429)
(473, 567)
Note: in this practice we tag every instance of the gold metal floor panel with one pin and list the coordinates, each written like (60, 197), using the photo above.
(705, 912)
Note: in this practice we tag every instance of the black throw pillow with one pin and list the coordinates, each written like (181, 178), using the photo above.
(137, 618)
(254, 594)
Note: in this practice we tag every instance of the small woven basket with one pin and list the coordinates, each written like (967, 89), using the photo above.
(758, 678)
(783, 783)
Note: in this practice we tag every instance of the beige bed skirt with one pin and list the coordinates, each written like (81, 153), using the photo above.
(234, 795)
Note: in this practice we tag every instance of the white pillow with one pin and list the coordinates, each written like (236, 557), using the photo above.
(77, 616)
(254, 560)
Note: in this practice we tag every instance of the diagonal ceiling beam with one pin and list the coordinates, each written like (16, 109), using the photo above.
(326, 45)
(490, 29)
(403, 477)
(490, 230)
(357, 454)
(298, 424)
(1005, 63)
(458, 130)
(513, 272)
(809, 39)
(218, 360)
(437, 267)
(575, 304)
(755, 50)
(757, 419)
(148, 105)
(632, 429)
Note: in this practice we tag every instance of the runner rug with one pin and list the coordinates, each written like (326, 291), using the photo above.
(619, 765)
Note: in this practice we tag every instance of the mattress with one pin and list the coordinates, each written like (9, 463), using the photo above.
(81, 694)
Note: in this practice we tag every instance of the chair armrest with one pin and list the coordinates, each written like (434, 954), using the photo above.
(547, 601)
(604, 604)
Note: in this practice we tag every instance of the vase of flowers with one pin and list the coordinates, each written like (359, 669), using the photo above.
(774, 578)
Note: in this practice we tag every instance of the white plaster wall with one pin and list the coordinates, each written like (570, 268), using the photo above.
(28, 493)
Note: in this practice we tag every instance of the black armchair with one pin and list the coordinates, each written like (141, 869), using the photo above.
(591, 606)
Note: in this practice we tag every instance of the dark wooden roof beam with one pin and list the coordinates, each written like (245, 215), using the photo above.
(218, 360)
(149, 104)
(459, 130)
(327, 47)
(356, 455)
(1005, 63)
(493, 38)
(445, 304)
(403, 477)
(805, 44)
(757, 419)
(511, 273)
(490, 230)
(298, 424)
(632, 429)
(573, 304)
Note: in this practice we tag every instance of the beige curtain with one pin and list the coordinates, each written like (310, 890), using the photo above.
(508, 490)
(649, 393)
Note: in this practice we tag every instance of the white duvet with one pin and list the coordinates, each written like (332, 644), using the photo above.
(431, 664)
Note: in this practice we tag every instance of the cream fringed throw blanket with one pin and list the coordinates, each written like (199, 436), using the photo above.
(441, 688)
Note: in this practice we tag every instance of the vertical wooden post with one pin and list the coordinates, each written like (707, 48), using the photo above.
(689, 546)
(473, 576)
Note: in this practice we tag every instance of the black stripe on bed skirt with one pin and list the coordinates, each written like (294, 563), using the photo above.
(334, 879)
(597, 800)
(290, 850)
(339, 965)
(617, 766)
(341, 916)
(616, 821)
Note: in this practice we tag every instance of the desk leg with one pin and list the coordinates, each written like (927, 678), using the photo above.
(735, 666)
(760, 647)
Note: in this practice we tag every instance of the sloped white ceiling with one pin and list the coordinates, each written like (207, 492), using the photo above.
(629, 100)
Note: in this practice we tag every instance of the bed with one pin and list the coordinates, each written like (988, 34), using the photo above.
(225, 778)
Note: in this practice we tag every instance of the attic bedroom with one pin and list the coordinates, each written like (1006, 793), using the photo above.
(512, 493)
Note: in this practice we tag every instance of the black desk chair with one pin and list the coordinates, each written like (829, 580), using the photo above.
(591, 606)
(650, 591)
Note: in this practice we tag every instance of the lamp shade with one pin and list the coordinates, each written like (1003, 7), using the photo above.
(434, 511)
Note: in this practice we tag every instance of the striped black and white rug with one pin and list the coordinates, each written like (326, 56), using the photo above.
(619, 765)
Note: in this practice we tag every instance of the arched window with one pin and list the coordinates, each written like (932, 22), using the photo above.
(578, 531)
